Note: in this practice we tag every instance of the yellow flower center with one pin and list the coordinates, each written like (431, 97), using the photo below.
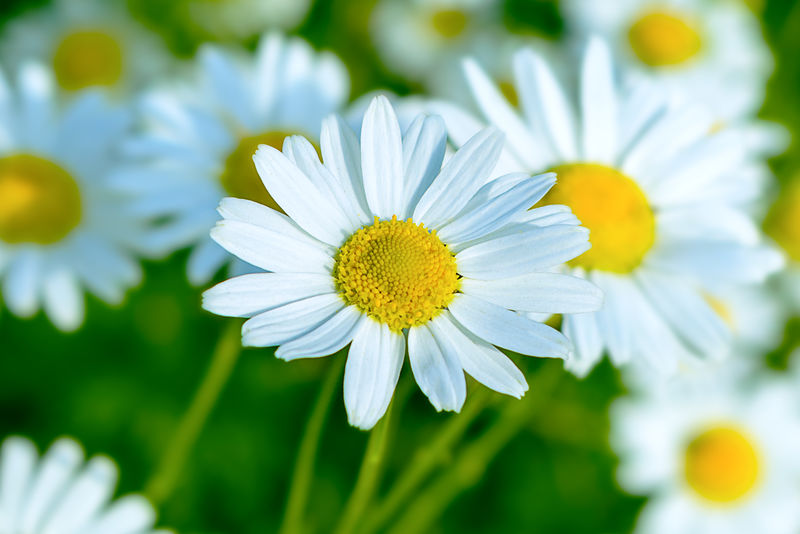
(397, 272)
(39, 201)
(662, 39)
(721, 465)
(87, 58)
(613, 208)
(783, 220)
(449, 23)
(239, 177)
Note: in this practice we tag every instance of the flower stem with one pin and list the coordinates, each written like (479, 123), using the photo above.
(470, 465)
(306, 457)
(226, 353)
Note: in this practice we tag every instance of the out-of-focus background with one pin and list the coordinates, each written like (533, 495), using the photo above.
(121, 382)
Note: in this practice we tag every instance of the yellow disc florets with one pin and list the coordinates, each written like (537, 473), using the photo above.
(449, 23)
(613, 208)
(39, 201)
(87, 58)
(783, 220)
(721, 465)
(662, 39)
(397, 272)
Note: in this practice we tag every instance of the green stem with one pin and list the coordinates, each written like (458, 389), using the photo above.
(470, 465)
(166, 476)
(425, 460)
(306, 457)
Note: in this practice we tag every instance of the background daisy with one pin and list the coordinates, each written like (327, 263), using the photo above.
(242, 19)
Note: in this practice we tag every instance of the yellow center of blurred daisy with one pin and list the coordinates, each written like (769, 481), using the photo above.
(783, 220)
(721, 465)
(662, 39)
(613, 208)
(87, 58)
(397, 272)
(39, 201)
(239, 177)
(449, 23)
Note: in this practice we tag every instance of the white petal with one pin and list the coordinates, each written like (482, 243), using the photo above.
(342, 155)
(370, 376)
(225, 82)
(582, 330)
(382, 159)
(598, 104)
(538, 292)
(272, 249)
(611, 318)
(299, 198)
(498, 211)
(130, 514)
(423, 152)
(84, 498)
(438, 373)
(522, 249)
(249, 294)
(17, 462)
(707, 222)
(550, 215)
(480, 360)
(63, 300)
(204, 261)
(326, 339)
(266, 73)
(284, 323)
(21, 287)
(460, 179)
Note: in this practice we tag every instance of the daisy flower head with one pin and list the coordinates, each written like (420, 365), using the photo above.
(383, 246)
(61, 493)
(198, 138)
(662, 196)
(707, 51)
(63, 225)
(86, 43)
(715, 454)
(242, 19)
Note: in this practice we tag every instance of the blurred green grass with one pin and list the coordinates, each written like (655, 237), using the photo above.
(123, 381)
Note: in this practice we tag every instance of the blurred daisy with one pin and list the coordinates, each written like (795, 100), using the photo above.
(87, 43)
(62, 225)
(241, 19)
(383, 243)
(200, 137)
(62, 494)
(714, 455)
(711, 52)
(782, 224)
(661, 196)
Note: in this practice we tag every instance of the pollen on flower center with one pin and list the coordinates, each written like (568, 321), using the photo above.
(613, 208)
(783, 220)
(239, 177)
(662, 39)
(39, 201)
(721, 464)
(87, 58)
(397, 272)
(449, 23)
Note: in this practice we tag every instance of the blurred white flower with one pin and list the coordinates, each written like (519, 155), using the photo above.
(87, 43)
(662, 195)
(62, 225)
(716, 452)
(711, 52)
(382, 242)
(62, 494)
(241, 19)
(199, 137)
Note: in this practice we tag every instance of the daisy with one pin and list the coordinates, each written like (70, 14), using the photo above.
(783, 225)
(715, 454)
(662, 197)
(199, 137)
(63, 226)
(87, 43)
(62, 494)
(383, 246)
(242, 19)
(707, 51)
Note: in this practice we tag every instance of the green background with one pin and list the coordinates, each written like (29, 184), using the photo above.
(121, 383)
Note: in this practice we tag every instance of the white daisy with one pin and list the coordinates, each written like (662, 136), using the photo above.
(714, 454)
(87, 43)
(382, 242)
(62, 225)
(661, 195)
(62, 494)
(242, 19)
(707, 51)
(199, 137)
(783, 225)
